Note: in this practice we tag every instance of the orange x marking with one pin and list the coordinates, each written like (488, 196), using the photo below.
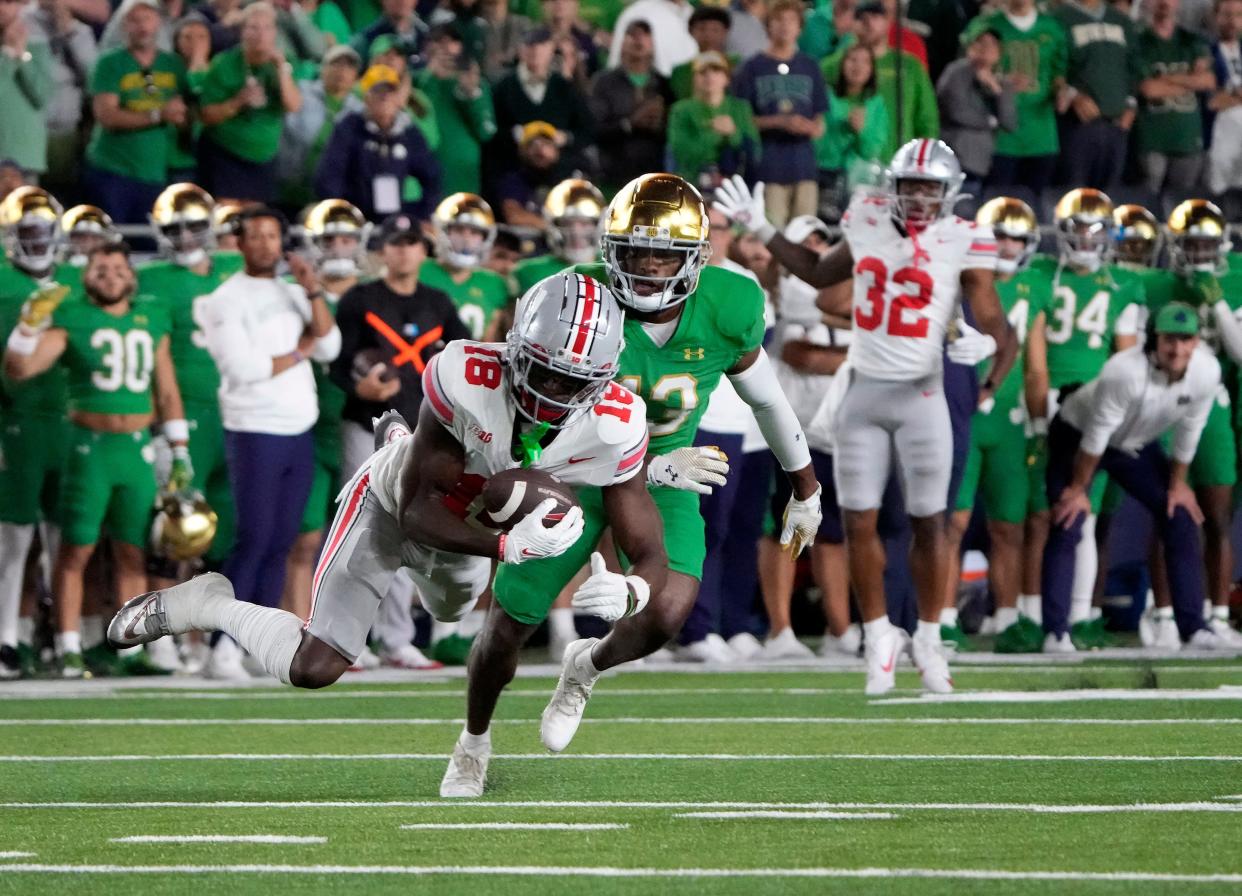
(407, 352)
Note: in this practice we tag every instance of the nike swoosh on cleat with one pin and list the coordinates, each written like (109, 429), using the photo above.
(578, 460)
(141, 617)
(892, 661)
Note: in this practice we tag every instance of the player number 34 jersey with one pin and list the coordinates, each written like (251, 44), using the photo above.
(468, 391)
(906, 288)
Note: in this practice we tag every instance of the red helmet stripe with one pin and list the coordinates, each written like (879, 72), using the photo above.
(922, 157)
(586, 316)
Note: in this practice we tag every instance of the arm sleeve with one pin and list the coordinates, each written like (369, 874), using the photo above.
(327, 347)
(1108, 410)
(758, 387)
(1127, 321)
(480, 113)
(437, 396)
(1187, 431)
(631, 462)
(228, 342)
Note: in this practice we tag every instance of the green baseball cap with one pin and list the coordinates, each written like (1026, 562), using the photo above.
(1178, 319)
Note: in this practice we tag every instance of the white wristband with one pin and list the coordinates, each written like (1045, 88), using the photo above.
(1039, 426)
(177, 430)
(640, 593)
(23, 343)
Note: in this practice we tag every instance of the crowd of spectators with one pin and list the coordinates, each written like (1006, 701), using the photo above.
(396, 103)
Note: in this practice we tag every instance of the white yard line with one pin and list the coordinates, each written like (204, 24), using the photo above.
(1224, 692)
(218, 838)
(787, 816)
(1035, 808)
(14, 854)
(622, 720)
(514, 826)
(607, 872)
(628, 757)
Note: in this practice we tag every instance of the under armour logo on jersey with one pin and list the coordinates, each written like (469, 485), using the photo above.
(694, 354)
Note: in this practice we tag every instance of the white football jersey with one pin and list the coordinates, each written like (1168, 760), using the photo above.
(907, 288)
(467, 390)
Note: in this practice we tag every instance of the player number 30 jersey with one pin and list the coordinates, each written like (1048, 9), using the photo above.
(906, 288)
(469, 393)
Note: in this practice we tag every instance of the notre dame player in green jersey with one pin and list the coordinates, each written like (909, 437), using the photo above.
(33, 430)
(572, 214)
(996, 460)
(110, 346)
(686, 326)
(464, 229)
(1091, 315)
(187, 271)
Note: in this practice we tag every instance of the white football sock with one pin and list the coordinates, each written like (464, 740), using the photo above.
(14, 545)
(1005, 617)
(475, 742)
(876, 629)
(1086, 561)
(67, 642)
(1031, 606)
(1221, 611)
(948, 617)
(928, 632)
(561, 623)
(268, 634)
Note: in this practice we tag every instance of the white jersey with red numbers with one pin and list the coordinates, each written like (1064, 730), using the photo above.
(907, 287)
(466, 387)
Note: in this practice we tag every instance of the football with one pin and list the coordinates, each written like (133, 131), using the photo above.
(366, 359)
(511, 494)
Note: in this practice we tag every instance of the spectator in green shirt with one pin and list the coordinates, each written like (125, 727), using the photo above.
(856, 133)
(709, 26)
(26, 87)
(192, 42)
(462, 102)
(1175, 66)
(711, 135)
(246, 95)
(307, 131)
(138, 95)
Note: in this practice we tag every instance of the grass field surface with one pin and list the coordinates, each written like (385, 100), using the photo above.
(1095, 776)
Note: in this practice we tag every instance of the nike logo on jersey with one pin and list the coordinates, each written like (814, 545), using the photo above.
(579, 460)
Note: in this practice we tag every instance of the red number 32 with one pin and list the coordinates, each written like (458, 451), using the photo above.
(906, 300)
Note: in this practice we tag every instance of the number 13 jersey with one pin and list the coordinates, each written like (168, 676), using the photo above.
(907, 287)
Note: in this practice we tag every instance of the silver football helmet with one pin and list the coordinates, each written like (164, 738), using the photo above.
(564, 347)
(922, 182)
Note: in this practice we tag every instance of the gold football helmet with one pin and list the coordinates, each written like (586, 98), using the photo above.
(334, 235)
(183, 528)
(87, 227)
(574, 211)
(1014, 219)
(181, 218)
(1136, 236)
(655, 221)
(1084, 222)
(1198, 237)
(30, 224)
(224, 220)
(464, 228)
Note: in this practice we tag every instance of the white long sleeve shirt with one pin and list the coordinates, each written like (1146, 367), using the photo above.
(1132, 404)
(248, 321)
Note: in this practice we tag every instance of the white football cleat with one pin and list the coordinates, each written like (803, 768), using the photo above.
(712, 649)
(1167, 636)
(848, 644)
(163, 654)
(564, 711)
(1062, 644)
(933, 665)
(1226, 632)
(882, 660)
(785, 646)
(365, 661)
(1206, 639)
(225, 662)
(466, 774)
(407, 656)
(745, 646)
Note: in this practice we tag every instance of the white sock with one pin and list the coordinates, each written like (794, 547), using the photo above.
(948, 617)
(1221, 611)
(1005, 617)
(67, 642)
(14, 545)
(1095, 613)
(1086, 561)
(927, 631)
(475, 742)
(586, 662)
(268, 634)
(441, 630)
(473, 623)
(92, 630)
(1163, 613)
(1031, 606)
(25, 630)
(561, 623)
(877, 628)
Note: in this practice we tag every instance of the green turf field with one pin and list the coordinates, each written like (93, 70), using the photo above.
(786, 782)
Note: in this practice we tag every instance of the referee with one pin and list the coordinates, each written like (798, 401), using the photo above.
(1114, 423)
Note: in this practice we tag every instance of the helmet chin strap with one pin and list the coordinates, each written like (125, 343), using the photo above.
(338, 267)
(1006, 266)
(1090, 261)
(189, 259)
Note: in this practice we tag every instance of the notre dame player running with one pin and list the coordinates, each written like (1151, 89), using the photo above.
(572, 214)
(465, 229)
(996, 462)
(33, 430)
(686, 325)
(189, 269)
(110, 346)
(1090, 316)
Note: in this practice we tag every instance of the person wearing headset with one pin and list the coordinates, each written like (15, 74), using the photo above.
(1114, 423)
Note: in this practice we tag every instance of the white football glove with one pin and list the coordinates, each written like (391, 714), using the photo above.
(694, 469)
(970, 347)
(531, 540)
(736, 202)
(610, 595)
(801, 522)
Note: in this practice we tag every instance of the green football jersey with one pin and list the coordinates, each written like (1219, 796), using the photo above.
(477, 298)
(43, 395)
(1202, 290)
(720, 322)
(1082, 318)
(530, 271)
(1023, 297)
(110, 358)
(179, 290)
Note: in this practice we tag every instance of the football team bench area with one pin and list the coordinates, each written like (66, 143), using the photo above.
(1096, 773)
